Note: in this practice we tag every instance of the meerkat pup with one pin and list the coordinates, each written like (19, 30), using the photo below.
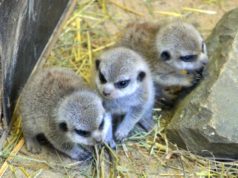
(58, 104)
(124, 81)
(175, 52)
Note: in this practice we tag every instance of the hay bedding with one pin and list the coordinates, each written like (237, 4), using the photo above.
(93, 27)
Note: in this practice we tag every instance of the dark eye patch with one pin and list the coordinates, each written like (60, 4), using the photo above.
(101, 125)
(122, 84)
(203, 47)
(102, 78)
(63, 126)
(165, 56)
(82, 133)
(97, 63)
(141, 75)
(188, 58)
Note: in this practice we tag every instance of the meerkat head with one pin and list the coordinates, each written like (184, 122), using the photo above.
(181, 46)
(120, 72)
(82, 118)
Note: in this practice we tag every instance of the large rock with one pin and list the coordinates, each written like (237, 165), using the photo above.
(206, 121)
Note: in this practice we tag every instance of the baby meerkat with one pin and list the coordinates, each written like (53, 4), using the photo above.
(124, 80)
(175, 51)
(58, 104)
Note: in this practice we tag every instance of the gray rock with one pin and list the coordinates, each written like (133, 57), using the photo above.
(206, 121)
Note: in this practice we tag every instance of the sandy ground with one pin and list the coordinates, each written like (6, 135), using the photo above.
(50, 163)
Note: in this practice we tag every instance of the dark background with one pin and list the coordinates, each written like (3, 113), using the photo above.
(25, 27)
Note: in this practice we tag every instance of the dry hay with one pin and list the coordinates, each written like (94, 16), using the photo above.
(93, 27)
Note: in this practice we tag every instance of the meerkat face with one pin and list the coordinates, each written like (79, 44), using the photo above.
(83, 119)
(120, 72)
(181, 46)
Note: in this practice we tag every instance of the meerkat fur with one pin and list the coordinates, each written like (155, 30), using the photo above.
(58, 104)
(174, 50)
(124, 81)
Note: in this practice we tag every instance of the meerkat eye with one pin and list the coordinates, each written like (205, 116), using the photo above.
(188, 58)
(122, 84)
(102, 78)
(101, 125)
(141, 75)
(203, 47)
(63, 126)
(82, 133)
(165, 56)
(97, 63)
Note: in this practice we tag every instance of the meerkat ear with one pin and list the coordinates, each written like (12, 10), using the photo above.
(63, 126)
(141, 76)
(97, 63)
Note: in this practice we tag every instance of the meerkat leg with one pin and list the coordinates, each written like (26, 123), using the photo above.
(75, 151)
(109, 138)
(30, 131)
(128, 123)
(108, 132)
(147, 122)
(32, 144)
(175, 80)
(69, 148)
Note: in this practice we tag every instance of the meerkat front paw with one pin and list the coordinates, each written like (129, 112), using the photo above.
(112, 144)
(33, 146)
(191, 80)
(80, 154)
(197, 77)
(147, 124)
(121, 134)
(86, 155)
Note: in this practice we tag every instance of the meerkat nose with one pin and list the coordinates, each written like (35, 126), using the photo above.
(106, 93)
(204, 63)
(98, 139)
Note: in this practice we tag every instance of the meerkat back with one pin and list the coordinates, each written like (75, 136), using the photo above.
(45, 89)
(42, 93)
(140, 36)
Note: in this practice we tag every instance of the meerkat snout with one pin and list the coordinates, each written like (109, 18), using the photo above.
(107, 90)
(106, 93)
(98, 137)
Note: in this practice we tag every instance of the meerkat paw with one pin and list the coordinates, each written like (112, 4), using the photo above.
(80, 154)
(112, 144)
(110, 141)
(196, 78)
(121, 134)
(147, 124)
(86, 155)
(33, 146)
(191, 80)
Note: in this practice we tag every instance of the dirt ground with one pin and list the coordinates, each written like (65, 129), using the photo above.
(136, 162)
